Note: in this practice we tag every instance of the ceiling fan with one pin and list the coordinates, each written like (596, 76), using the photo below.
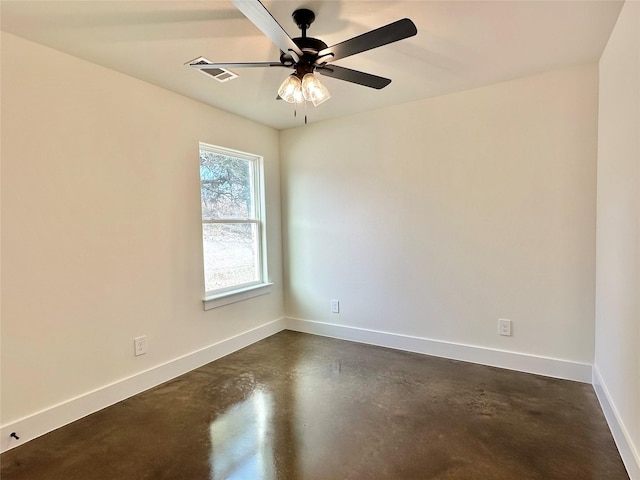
(306, 55)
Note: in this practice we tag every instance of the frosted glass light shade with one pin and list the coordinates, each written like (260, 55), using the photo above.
(291, 90)
(313, 90)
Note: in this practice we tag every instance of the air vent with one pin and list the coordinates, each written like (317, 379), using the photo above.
(220, 74)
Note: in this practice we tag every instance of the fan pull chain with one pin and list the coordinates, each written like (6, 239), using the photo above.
(295, 111)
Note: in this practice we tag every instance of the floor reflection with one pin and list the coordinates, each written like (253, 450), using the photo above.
(240, 440)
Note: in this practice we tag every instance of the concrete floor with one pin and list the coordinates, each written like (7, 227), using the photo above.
(297, 406)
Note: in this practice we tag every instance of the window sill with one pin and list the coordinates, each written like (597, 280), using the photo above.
(226, 298)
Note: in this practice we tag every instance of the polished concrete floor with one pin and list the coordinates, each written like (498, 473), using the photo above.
(298, 406)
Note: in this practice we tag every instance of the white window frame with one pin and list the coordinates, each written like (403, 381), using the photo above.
(237, 293)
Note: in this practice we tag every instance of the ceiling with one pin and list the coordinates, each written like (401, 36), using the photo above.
(459, 45)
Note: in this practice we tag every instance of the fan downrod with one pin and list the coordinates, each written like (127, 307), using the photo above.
(303, 17)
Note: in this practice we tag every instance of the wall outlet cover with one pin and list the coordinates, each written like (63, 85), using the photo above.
(335, 306)
(504, 327)
(140, 345)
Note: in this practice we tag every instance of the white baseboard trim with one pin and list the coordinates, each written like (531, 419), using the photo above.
(550, 367)
(629, 453)
(49, 419)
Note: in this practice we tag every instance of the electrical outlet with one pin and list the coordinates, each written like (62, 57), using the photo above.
(504, 327)
(140, 344)
(335, 306)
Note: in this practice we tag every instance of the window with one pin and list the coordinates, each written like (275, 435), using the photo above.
(233, 230)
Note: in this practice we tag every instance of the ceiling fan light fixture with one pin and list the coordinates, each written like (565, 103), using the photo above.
(291, 90)
(313, 91)
(306, 54)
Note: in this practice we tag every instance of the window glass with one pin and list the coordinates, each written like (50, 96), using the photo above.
(232, 220)
(226, 186)
(230, 255)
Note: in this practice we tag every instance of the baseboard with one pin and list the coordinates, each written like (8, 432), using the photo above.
(47, 420)
(628, 452)
(550, 367)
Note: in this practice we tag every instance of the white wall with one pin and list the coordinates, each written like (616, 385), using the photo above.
(617, 354)
(101, 236)
(433, 219)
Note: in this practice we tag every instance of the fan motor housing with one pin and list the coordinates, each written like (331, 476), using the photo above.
(308, 44)
(310, 48)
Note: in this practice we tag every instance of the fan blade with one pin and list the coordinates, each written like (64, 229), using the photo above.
(393, 32)
(261, 18)
(354, 76)
(207, 66)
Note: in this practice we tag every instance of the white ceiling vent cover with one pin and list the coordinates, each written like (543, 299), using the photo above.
(220, 74)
